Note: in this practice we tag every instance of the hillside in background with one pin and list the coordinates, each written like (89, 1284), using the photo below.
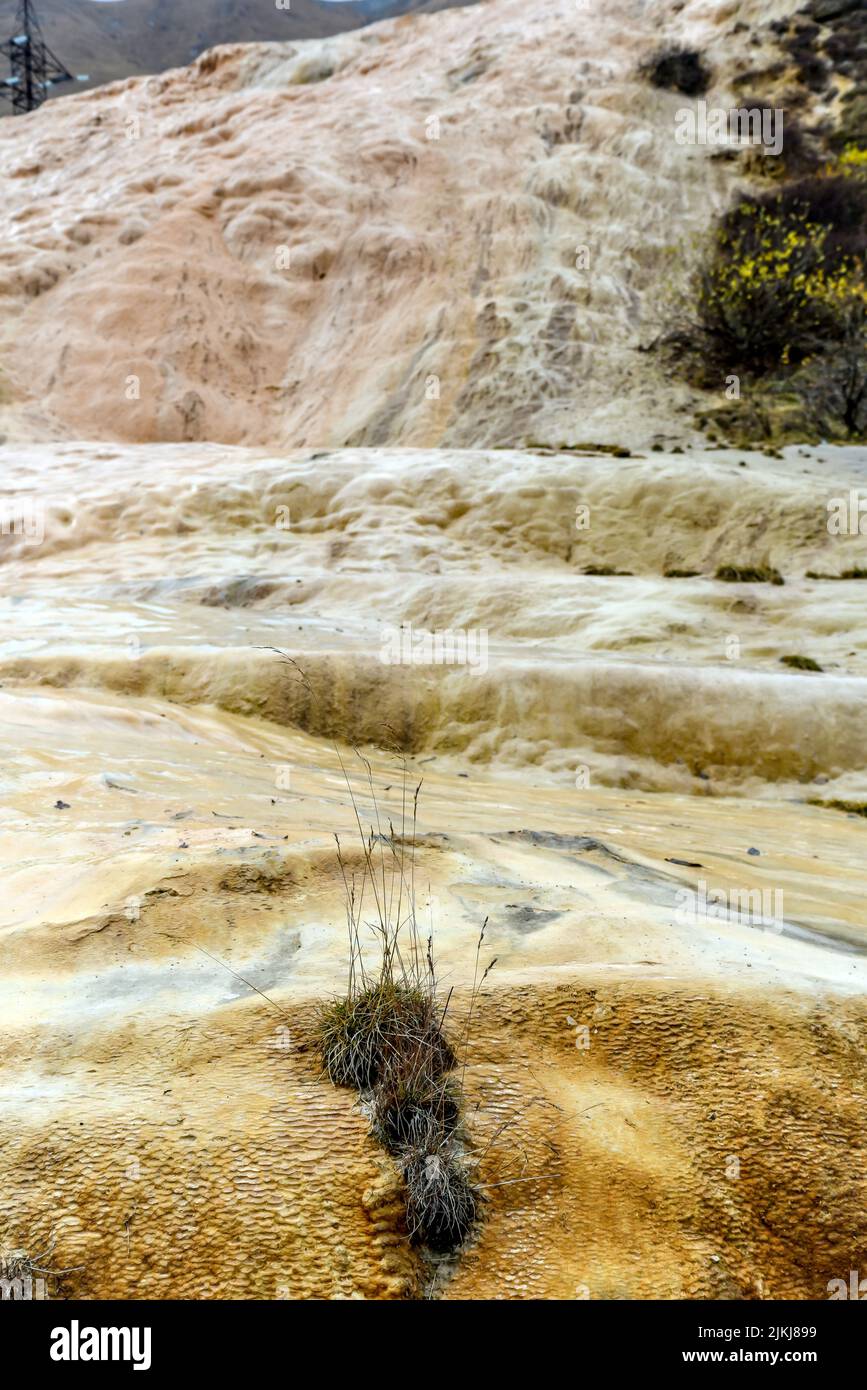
(108, 41)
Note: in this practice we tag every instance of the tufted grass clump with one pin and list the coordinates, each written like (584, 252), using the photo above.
(411, 1104)
(442, 1203)
(387, 1037)
(364, 1035)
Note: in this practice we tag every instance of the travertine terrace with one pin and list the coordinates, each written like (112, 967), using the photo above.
(285, 243)
(689, 1091)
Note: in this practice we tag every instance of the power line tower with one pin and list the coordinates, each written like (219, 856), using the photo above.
(33, 67)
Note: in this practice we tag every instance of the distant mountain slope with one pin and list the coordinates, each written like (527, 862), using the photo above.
(134, 37)
(389, 9)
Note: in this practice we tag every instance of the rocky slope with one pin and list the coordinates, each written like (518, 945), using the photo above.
(250, 250)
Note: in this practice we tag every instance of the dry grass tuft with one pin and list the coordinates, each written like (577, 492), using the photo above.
(409, 1107)
(362, 1036)
(387, 1036)
(442, 1204)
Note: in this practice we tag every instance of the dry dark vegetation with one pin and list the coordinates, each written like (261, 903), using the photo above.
(855, 573)
(679, 70)
(852, 808)
(387, 1037)
(749, 574)
(800, 663)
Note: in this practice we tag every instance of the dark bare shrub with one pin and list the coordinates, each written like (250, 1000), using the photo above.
(678, 70)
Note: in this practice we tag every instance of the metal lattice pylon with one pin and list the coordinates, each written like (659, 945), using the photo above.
(33, 67)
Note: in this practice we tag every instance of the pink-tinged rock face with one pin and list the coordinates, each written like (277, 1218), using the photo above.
(443, 229)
